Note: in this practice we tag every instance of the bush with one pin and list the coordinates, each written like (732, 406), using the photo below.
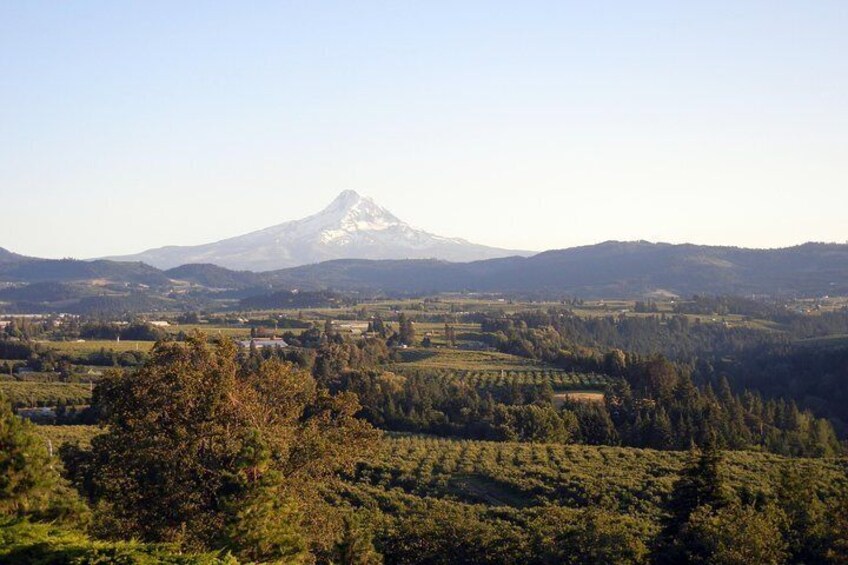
(736, 535)
(25, 543)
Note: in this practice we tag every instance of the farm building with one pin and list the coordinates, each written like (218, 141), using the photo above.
(352, 327)
(263, 342)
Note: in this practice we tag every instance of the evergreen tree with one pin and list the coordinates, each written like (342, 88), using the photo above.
(450, 335)
(262, 522)
(596, 427)
(357, 544)
(700, 484)
(662, 435)
(406, 331)
(805, 525)
(378, 326)
(26, 473)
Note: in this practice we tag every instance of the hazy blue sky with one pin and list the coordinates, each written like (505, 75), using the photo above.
(532, 125)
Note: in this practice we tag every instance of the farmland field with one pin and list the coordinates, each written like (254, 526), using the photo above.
(404, 469)
(213, 330)
(95, 345)
(25, 394)
(628, 480)
(455, 359)
(486, 379)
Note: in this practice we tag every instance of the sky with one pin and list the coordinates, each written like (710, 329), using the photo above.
(526, 125)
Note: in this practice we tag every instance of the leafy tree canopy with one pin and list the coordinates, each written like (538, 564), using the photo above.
(203, 452)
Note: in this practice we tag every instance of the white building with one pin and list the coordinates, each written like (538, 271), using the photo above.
(263, 342)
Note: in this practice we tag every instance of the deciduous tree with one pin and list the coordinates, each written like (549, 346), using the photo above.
(202, 452)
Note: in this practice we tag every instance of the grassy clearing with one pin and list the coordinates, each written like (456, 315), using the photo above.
(827, 341)
(561, 398)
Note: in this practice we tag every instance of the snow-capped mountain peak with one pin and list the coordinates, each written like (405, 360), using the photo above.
(350, 213)
(351, 227)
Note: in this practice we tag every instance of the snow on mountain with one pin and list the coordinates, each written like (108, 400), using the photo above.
(351, 227)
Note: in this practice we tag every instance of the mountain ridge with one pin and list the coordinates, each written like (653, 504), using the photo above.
(605, 270)
(611, 269)
(8, 257)
(351, 226)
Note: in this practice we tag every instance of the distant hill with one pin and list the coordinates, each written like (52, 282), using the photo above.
(610, 269)
(352, 226)
(66, 270)
(42, 292)
(213, 276)
(7, 257)
(607, 270)
(82, 287)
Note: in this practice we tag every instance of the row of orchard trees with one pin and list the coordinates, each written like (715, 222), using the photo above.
(703, 522)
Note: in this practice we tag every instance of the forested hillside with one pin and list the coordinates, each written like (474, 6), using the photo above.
(611, 269)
